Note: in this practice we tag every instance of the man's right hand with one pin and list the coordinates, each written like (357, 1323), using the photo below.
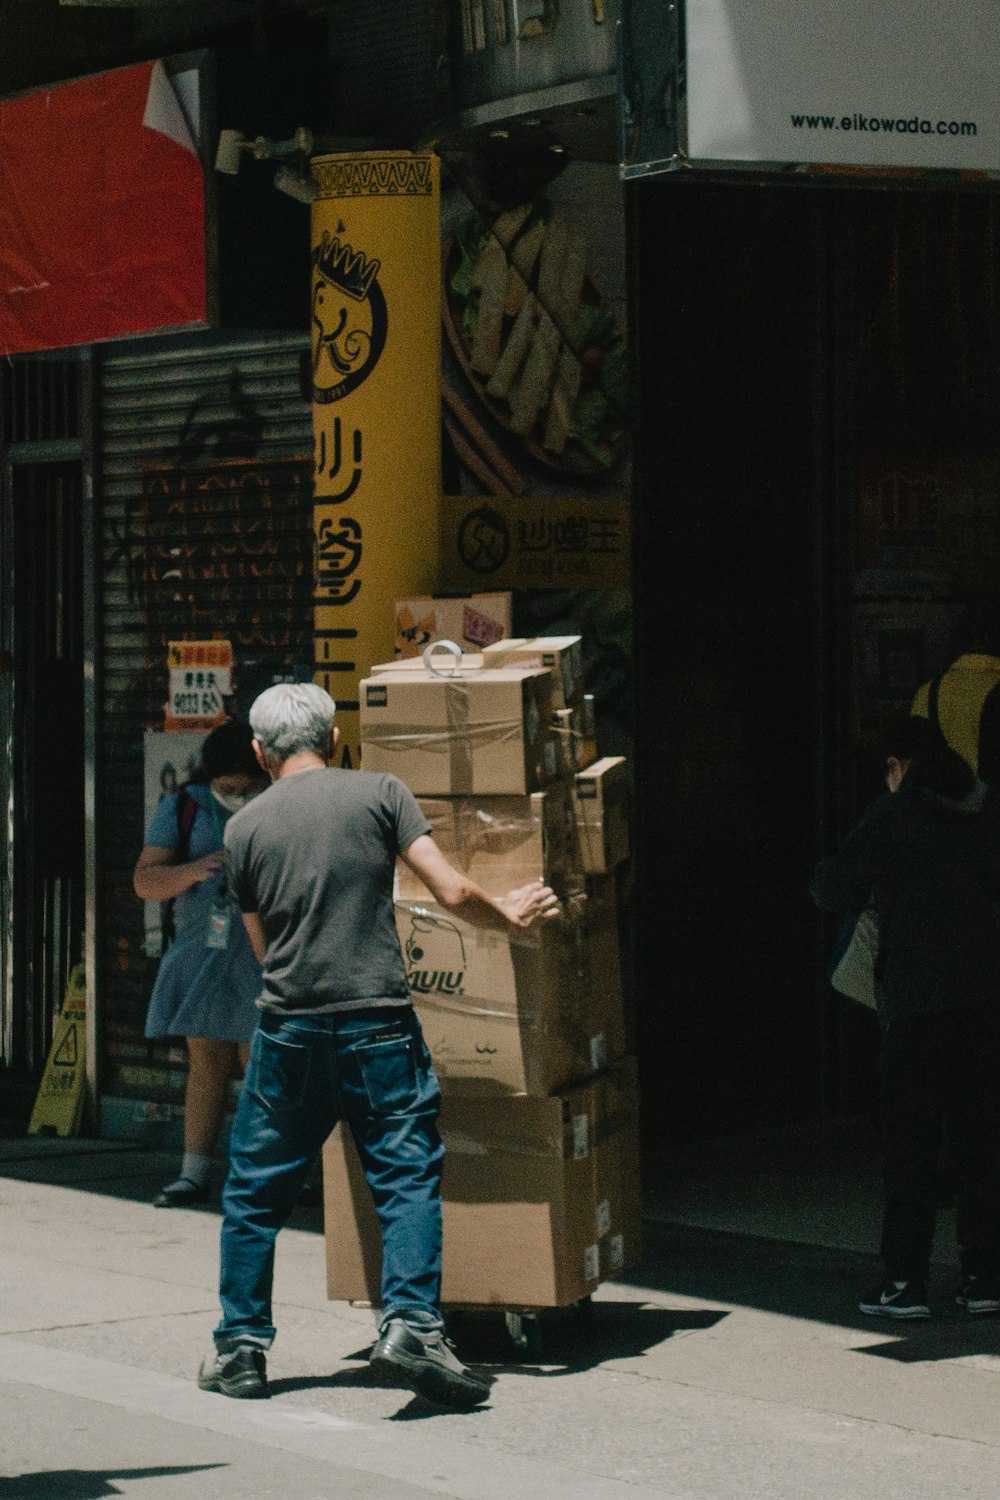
(530, 903)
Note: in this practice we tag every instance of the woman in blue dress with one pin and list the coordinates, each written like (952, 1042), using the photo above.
(209, 980)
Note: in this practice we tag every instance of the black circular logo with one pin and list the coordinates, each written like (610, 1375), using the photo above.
(484, 540)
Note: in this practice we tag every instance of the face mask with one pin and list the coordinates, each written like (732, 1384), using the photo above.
(231, 801)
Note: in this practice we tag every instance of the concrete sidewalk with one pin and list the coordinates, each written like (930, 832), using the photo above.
(730, 1366)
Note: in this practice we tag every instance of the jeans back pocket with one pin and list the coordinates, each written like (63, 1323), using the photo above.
(388, 1069)
(279, 1071)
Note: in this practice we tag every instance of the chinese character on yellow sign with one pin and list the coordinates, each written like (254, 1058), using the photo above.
(201, 677)
(376, 372)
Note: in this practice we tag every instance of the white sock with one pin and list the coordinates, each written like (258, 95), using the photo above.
(196, 1168)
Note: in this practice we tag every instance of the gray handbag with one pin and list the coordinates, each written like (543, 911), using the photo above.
(854, 975)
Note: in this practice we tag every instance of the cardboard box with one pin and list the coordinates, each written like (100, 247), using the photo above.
(471, 620)
(600, 794)
(510, 1017)
(574, 748)
(503, 842)
(540, 1199)
(471, 661)
(617, 1181)
(487, 733)
(561, 654)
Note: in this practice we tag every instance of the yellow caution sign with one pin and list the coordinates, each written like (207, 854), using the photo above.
(59, 1107)
(376, 378)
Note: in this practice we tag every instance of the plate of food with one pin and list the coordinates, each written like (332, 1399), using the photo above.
(534, 337)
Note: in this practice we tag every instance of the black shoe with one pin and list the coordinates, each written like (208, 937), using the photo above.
(241, 1372)
(896, 1299)
(979, 1294)
(427, 1363)
(181, 1194)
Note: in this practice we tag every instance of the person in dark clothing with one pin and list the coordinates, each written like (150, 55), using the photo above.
(926, 858)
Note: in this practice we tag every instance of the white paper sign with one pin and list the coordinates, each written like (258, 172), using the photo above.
(900, 83)
(197, 692)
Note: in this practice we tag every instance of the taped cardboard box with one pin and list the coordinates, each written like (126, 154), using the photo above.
(572, 728)
(473, 620)
(533, 1201)
(600, 794)
(561, 654)
(503, 842)
(509, 1017)
(618, 1186)
(487, 733)
(470, 661)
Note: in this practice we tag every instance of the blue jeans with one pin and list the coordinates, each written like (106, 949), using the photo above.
(371, 1069)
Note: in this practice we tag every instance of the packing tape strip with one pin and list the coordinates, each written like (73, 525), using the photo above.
(401, 737)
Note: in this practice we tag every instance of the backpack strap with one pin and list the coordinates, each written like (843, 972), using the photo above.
(187, 811)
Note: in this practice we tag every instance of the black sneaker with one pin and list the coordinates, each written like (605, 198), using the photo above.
(978, 1294)
(427, 1363)
(896, 1299)
(240, 1372)
(181, 1194)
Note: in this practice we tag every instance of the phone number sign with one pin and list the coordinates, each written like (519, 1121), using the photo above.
(200, 679)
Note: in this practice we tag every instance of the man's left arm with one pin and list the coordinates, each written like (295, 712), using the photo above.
(255, 932)
(236, 875)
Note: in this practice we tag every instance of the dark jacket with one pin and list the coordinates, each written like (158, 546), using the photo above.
(930, 870)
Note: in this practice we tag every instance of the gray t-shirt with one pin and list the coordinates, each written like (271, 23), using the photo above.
(314, 856)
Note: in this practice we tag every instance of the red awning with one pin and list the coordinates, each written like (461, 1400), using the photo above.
(102, 208)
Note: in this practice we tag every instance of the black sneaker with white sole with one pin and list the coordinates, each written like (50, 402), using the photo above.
(896, 1299)
(979, 1294)
(240, 1372)
(427, 1363)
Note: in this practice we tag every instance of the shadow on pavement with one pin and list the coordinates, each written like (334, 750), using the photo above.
(807, 1281)
(85, 1484)
(716, 1265)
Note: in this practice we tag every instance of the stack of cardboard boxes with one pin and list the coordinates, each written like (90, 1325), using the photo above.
(540, 1102)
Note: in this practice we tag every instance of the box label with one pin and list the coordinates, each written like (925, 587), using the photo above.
(586, 790)
(581, 1137)
(603, 1218)
(592, 1263)
(616, 1252)
(598, 1052)
(376, 697)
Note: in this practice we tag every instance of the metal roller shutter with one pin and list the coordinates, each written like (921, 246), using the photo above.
(205, 494)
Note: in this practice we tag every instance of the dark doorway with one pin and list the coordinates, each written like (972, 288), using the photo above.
(42, 779)
(786, 338)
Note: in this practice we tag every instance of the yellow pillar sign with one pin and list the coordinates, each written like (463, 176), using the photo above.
(59, 1107)
(376, 362)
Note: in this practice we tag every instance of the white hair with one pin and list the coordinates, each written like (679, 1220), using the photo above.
(292, 717)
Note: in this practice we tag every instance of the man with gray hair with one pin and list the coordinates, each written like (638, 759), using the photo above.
(311, 864)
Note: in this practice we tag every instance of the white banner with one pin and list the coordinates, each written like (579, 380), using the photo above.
(865, 83)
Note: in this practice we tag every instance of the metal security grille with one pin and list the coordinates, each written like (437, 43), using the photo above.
(205, 487)
(41, 701)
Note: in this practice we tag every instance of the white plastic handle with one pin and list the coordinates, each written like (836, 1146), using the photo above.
(454, 654)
